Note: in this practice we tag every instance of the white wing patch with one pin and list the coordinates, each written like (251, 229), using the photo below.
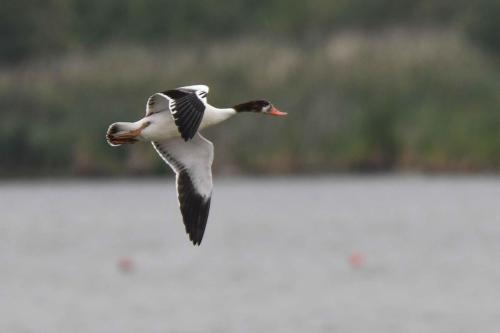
(195, 156)
(157, 103)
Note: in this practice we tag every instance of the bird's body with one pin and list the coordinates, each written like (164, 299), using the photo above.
(162, 125)
(173, 119)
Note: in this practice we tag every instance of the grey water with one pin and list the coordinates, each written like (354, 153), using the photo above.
(327, 254)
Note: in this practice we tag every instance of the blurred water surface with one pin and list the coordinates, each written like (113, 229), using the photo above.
(274, 257)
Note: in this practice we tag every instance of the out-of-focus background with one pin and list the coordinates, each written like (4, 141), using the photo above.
(378, 85)
(372, 207)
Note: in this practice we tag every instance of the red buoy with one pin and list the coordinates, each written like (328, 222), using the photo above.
(126, 264)
(356, 259)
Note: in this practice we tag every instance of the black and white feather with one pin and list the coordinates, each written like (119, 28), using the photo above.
(186, 104)
(192, 163)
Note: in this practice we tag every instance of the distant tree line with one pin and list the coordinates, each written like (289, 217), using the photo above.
(369, 85)
(29, 28)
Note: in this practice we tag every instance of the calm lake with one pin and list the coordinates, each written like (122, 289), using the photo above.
(327, 254)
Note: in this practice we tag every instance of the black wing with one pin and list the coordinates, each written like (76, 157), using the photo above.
(194, 207)
(187, 109)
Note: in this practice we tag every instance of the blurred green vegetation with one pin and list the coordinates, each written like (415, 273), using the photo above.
(379, 85)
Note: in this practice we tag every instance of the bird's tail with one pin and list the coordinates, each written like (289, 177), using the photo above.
(122, 132)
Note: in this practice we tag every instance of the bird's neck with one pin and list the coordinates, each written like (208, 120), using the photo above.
(225, 113)
(215, 115)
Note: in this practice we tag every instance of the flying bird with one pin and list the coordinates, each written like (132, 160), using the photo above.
(172, 124)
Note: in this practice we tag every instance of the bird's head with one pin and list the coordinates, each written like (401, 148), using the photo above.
(259, 106)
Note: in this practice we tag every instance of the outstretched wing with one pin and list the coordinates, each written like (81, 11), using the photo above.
(187, 105)
(192, 164)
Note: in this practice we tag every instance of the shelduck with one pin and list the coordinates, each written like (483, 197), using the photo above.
(172, 124)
